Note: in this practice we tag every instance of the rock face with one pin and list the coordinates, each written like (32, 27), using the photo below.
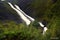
(6, 14)
(54, 1)
(25, 6)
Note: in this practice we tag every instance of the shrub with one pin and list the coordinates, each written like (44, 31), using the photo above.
(12, 31)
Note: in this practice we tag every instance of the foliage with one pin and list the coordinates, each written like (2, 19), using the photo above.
(9, 30)
(42, 10)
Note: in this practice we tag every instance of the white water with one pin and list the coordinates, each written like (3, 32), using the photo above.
(45, 29)
(41, 24)
(32, 19)
(21, 15)
(2, 0)
(25, 19)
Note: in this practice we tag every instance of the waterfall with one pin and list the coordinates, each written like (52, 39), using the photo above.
(27, 19)
(20, 14)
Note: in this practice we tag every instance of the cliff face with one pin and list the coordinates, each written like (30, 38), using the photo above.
(7, 13)
(35, 8)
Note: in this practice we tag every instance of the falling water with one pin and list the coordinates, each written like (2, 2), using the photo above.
(20, 14)
(25, 17)
(32, 19)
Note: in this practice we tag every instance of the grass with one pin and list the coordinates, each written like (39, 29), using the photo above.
(12, 31)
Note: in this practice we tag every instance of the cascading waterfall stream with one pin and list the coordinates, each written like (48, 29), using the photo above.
(32, 19)
(25, 17)
(21, 15)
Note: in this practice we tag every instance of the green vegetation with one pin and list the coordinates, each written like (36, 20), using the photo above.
(42, 10)
(12, 31)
